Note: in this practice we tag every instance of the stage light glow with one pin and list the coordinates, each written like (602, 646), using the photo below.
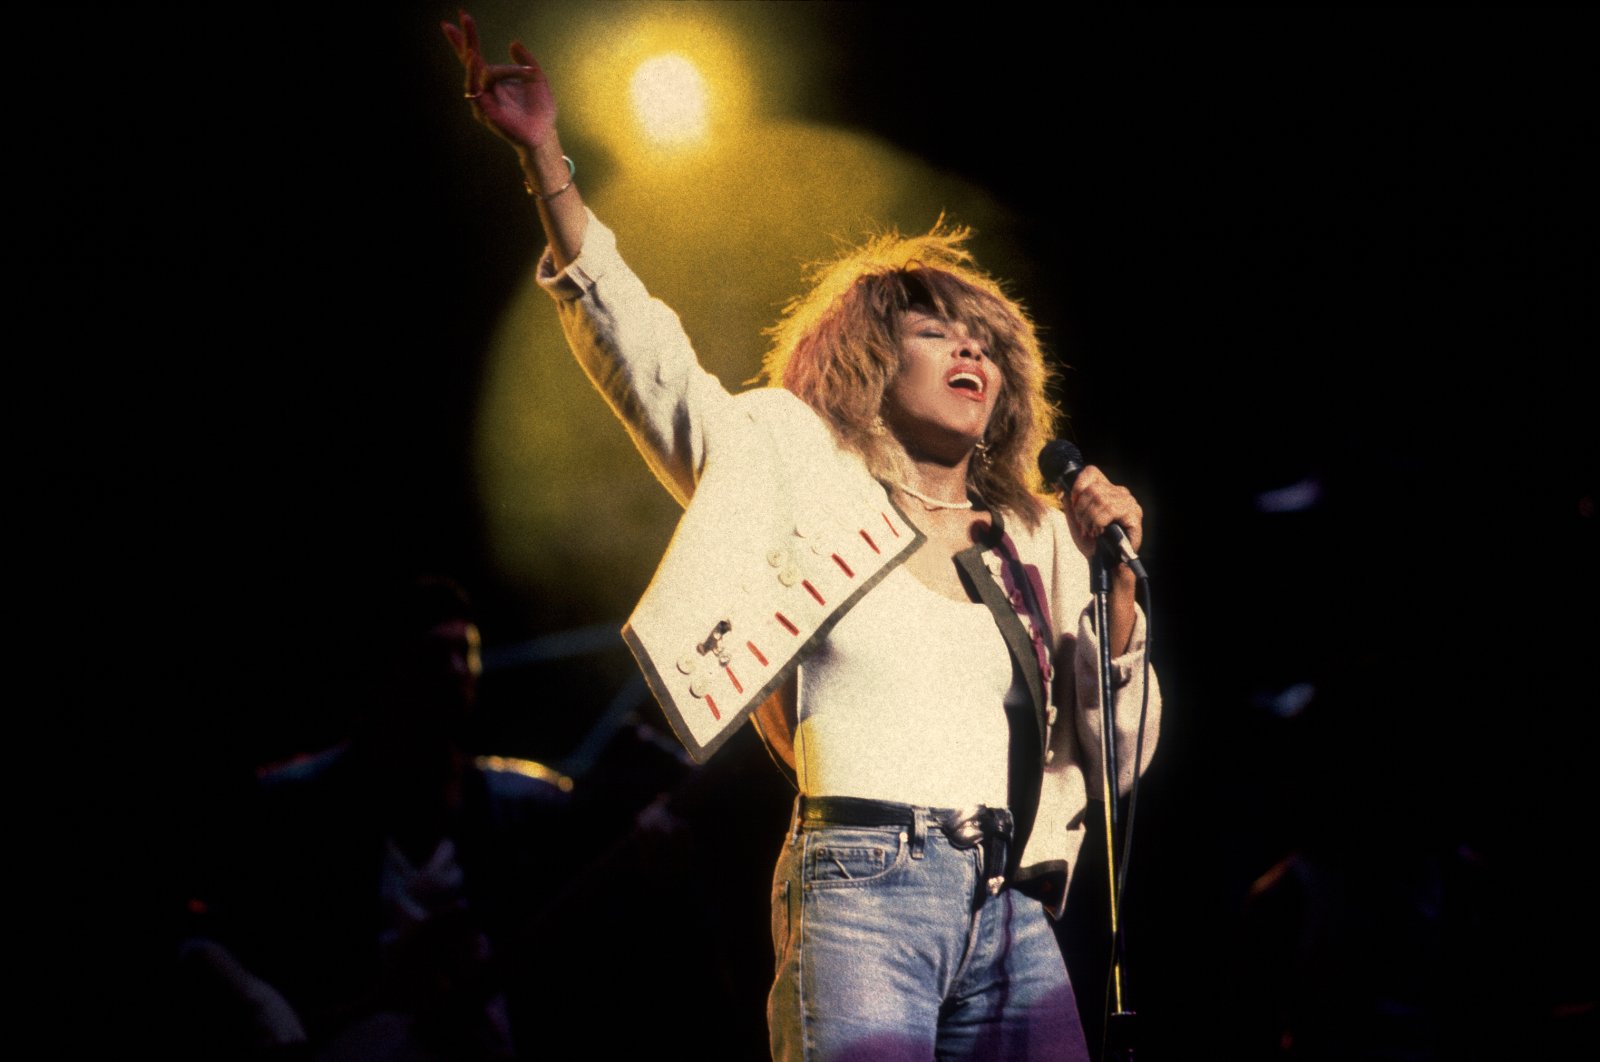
(1296, 497)
(669, 99)
(1287, 702)
(527, 768)
(663, 86)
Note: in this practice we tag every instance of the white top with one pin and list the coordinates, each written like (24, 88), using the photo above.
(905, 701)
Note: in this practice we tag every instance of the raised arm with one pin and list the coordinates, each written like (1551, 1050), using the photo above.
(514, 100)
(631, 345)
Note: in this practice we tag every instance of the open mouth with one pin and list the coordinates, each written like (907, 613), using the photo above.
(971, 383)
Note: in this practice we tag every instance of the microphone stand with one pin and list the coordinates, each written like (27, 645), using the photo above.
(1120, 1025)
(1059, 464)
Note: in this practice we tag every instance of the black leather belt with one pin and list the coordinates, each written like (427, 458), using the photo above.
(989, 830)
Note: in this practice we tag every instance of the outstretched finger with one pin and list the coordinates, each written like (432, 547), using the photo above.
(521, 55)
(458, 43)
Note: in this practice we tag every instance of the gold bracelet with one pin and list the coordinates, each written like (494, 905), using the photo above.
(572, 172)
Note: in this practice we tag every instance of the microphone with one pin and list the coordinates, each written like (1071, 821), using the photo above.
(1059, 464)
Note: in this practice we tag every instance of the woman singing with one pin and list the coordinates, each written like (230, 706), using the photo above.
(866, 570)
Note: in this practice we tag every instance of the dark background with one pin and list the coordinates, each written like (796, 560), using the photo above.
(1354, 249)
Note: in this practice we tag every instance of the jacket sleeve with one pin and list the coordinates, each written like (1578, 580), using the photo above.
(1127, 681)
(1077, 680)
(635, 352)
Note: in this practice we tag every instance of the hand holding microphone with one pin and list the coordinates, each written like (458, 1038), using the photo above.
(1099, 513)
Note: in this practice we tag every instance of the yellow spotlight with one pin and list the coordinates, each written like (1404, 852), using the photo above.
(659, 86)
(669, 99)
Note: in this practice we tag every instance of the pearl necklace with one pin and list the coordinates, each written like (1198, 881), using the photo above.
(933, 503)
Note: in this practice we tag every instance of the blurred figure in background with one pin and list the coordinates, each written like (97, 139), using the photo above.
(380, 900)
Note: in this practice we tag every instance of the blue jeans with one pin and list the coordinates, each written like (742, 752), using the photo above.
(887, 951)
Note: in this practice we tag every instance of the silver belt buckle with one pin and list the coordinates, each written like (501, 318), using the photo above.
(964, 827)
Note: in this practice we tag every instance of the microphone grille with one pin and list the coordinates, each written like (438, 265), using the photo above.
(1059, 458)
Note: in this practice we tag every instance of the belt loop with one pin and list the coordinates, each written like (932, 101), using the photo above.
(919, 831)
(794, 819)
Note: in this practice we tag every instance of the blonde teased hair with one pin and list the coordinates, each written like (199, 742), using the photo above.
(838, 348)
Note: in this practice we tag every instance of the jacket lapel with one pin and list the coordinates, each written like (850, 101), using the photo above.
(1017, 638)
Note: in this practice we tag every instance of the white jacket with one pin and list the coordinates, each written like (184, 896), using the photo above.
(785, 530)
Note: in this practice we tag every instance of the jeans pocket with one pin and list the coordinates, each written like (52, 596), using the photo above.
(841, 858)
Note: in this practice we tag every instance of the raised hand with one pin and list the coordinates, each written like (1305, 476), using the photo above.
(513, 99)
